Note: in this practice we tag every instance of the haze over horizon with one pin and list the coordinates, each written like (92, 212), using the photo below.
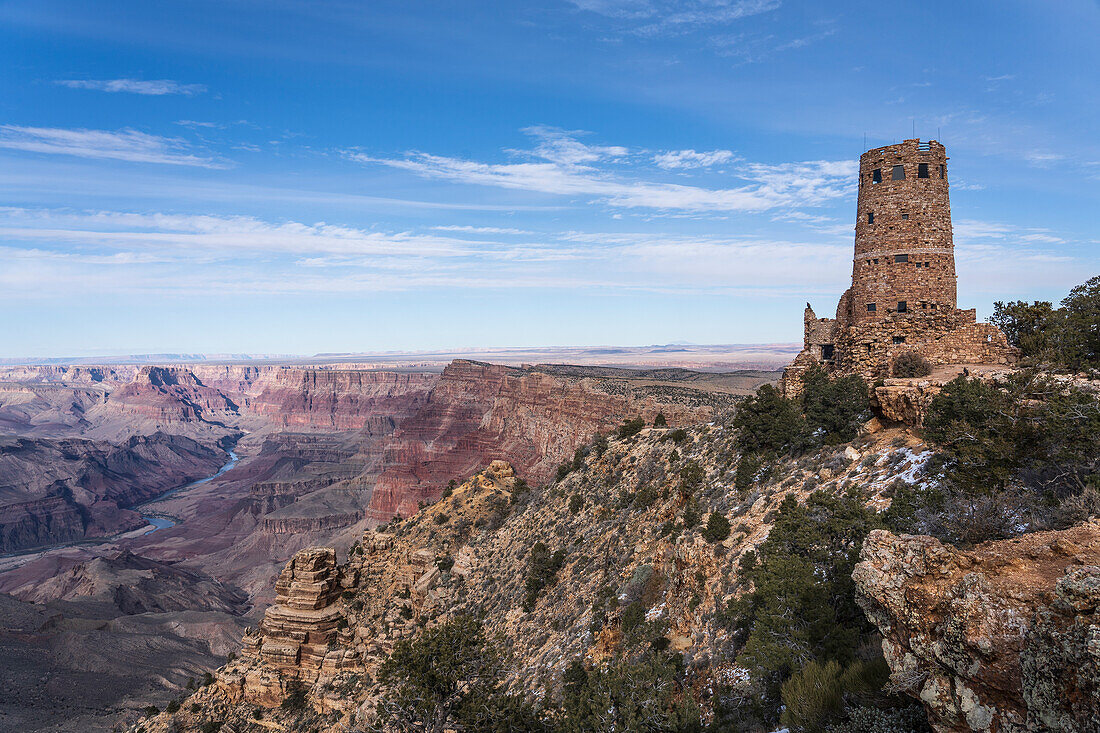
(322, 177)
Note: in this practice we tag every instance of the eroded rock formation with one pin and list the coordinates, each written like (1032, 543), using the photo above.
(299, 636)
(1002, 637)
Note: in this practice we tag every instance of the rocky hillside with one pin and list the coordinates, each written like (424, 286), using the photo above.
(617, 555)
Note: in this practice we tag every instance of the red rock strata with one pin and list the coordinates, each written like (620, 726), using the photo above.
(341, 400)
(169, 394)
(479, 412)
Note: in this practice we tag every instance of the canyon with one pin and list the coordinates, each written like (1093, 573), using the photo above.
(95, 534)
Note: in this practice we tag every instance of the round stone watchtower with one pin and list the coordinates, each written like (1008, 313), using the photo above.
(904, 256)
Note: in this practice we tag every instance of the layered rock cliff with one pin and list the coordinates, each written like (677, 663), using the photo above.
(340, 400)
(480, 411)
(1001, 637)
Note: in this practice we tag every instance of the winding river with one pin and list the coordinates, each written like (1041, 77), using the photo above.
(164, 521)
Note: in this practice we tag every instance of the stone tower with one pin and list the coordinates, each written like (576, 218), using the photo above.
(903, 293)
(904, 257)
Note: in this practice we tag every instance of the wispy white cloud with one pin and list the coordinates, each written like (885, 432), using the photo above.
(479, 230)
(560, 164)
(153, 87)
(671, 17)
(199, 235)
(50, 252)
(674, 159)
(128, 145)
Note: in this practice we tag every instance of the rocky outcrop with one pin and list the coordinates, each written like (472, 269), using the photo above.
(1001, 637)
(906, 400)
(478, 412)
(299, 635)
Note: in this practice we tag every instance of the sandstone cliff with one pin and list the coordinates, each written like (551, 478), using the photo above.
(1002, 637)
(480, 411)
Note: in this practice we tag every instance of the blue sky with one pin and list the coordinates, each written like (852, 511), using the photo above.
(285, 176)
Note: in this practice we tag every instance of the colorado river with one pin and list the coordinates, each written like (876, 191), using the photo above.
(161, 521)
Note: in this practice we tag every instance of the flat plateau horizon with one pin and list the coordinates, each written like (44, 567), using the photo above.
(705, 357)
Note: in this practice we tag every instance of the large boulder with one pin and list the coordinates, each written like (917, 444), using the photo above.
(1001, 637)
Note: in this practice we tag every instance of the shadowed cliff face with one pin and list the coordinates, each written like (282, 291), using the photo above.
(1001, 637)
(55, 491)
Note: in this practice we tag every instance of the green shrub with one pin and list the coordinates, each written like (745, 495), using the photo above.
(679, 435)
(442, 518)
(911, 364)
(640, 694)
(802, 604)
(812, 697)
(691, 478)
(645, 497)
(211, 726)
(835, 408)
(660, 421)
(172, 707)
(150, 710)
(867, 719)
(717, 529)
(630, 428)
(748, 466)
(576, 503)
(769, 422)
(632, 618)
(541, 572)
(450, 676)
(692, 514)
(445, 563)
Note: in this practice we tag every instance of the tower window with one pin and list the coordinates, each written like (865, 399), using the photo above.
(902, 307)
(898, 173)
(922, 170)
(901, 258)
(876, 260)
(871, 307)
(905, 217)
(899, 339)
(827, 351)
(876, 175)
(870, 217)
(943, 170)
(926, 264)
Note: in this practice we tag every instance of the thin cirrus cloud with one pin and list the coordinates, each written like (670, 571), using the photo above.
(127, 145)
(674, 17)
(150, 87)
(561, 164)
(59, 251)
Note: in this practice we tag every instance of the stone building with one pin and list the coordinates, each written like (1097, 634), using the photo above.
(903, 293)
